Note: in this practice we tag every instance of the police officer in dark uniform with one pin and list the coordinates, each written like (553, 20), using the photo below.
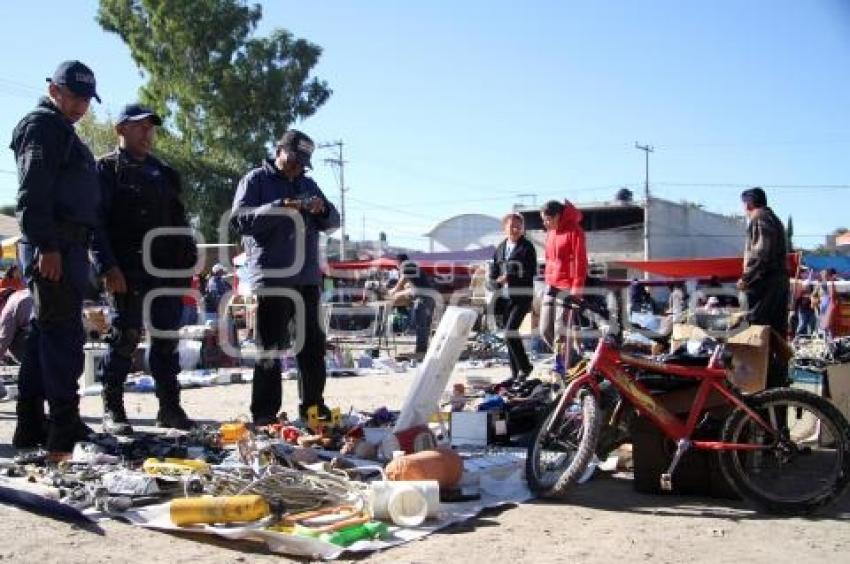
(57, 209)
(141, 193)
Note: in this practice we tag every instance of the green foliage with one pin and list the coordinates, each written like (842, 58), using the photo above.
(100, 136)
(225, 94)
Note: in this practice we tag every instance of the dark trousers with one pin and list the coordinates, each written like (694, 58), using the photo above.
(423, 315)
(274, 314)
(53, 356)
(513, 311)
(164, 315)
(768, 305)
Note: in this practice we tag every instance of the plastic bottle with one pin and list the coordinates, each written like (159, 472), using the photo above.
(345, 537)
(229, 509)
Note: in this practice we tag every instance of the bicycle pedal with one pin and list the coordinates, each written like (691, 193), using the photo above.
(666, 482)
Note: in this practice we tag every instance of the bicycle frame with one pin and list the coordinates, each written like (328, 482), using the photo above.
(610, 363)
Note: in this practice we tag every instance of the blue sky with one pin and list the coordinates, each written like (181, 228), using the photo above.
(458, 107)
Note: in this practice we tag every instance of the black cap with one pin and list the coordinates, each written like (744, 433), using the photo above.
(77, 77)
(138, 112)
(299, 144)
(755, 197)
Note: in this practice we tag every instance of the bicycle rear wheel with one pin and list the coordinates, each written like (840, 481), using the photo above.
(803, 467)
(563, 445)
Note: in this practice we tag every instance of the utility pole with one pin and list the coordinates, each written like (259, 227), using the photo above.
(647, 149)
(339, 162)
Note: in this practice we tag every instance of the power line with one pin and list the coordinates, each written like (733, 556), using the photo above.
(739, 185)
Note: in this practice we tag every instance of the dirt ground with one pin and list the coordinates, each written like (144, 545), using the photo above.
(602, 520)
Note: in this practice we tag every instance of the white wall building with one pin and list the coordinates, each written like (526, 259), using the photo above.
(615, 231)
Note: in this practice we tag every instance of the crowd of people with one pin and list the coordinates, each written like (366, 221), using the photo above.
(80, 215)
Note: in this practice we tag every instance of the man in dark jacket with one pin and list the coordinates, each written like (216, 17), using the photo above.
(280, 212)
(765, 277)
(512, 277)
(141, 193)
(57, 209)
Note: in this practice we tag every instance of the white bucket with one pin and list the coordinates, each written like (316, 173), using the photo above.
(407, 504)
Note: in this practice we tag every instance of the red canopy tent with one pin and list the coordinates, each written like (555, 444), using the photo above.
(724, 268)
(384, 263)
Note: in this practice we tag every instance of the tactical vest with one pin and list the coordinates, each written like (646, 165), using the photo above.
(142, 201)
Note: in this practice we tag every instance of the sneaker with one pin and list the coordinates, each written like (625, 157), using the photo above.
(173, 417)
(115, 423)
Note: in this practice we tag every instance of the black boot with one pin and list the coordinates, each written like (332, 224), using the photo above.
(114, 417)
(31, 430)
(170, 413)
(66, 428)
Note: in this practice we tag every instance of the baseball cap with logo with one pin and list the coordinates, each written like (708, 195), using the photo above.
(293, 141)
(138, 112)
(77, 77)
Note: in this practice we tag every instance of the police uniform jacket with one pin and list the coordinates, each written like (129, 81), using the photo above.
(58, 194)
(138, 196)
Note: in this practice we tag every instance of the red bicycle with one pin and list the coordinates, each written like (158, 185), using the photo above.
(784, 450)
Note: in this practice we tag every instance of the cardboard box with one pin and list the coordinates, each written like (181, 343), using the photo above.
(751, 350)
(469, 428)
(838, 384)
(683, 333)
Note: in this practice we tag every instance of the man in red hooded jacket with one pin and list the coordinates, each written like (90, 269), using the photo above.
(566, 264)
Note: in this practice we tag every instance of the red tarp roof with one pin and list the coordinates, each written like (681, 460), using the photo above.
(384, 263)
(721, 267)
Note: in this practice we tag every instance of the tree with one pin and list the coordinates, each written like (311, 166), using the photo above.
(100, 136)
(225, 95)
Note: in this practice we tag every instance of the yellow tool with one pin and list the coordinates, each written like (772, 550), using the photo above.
(175, 466)
(229, 509)
(314, 421)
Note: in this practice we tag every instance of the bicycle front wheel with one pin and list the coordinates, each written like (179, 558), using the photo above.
(800, 467)
(563, 445)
